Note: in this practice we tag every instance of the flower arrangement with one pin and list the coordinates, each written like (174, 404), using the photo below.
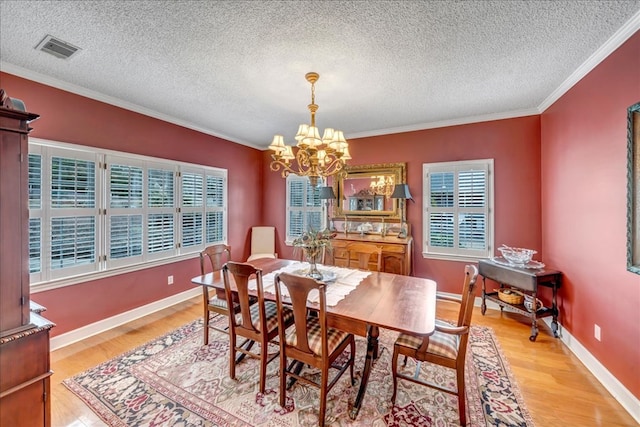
(312, 242)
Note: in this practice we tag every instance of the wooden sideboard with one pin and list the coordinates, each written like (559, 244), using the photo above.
(396, 252)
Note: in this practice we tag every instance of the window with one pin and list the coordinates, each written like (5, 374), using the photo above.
(458, 209)
(305, 209)
(95, 212)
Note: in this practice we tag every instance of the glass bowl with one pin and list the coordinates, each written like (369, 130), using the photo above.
(517, 256)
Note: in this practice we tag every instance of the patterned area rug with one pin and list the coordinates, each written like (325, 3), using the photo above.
(176, 381)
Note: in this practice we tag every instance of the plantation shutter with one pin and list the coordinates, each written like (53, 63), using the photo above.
(457, 210)
(73, 224)
(160, 228)
(215, 209)
(35, 214)
(192, 225)
(472, 209)
(304, 207)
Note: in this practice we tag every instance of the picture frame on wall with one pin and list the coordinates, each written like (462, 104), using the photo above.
(633, 188)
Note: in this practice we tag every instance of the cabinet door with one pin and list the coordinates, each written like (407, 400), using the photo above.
(14, 220)
(25, 407)
(393, 263)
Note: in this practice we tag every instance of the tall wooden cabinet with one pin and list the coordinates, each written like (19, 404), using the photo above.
(396, 252)
(24, 335)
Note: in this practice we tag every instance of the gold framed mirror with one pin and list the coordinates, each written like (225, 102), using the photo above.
(365, 191)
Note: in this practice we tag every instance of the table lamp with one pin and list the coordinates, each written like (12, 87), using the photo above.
(326, 193)
(402, 193)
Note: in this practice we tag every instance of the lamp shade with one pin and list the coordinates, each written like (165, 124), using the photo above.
(327, 193)
(401, 191)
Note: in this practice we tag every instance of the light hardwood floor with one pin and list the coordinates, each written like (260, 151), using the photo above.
(557, 389)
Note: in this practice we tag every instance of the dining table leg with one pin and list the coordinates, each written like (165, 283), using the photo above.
(247, 344)
(296, 368)
(372, 352)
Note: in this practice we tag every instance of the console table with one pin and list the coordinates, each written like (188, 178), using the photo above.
(526, 280)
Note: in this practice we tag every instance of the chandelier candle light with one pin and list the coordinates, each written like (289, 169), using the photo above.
(383, 185)
(313, 157)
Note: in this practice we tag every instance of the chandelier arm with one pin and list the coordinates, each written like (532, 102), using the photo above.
(302, 158)
(332, 168)
(276, 165)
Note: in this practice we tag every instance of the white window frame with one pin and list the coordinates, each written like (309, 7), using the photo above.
(103, 266)
(304, 209)
(455, 253)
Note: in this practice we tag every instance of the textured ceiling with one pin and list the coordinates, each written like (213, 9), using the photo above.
(236, 69)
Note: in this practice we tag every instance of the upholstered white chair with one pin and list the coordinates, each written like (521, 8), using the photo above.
(263, 243)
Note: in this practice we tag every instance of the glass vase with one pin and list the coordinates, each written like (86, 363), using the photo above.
(312, 256)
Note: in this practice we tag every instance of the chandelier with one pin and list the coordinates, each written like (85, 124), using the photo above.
(312, 156)
(382, 185)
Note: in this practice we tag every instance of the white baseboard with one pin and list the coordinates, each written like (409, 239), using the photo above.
(103, 325)
(628, 401)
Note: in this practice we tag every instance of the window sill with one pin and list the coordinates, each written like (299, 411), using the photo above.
(452, 257)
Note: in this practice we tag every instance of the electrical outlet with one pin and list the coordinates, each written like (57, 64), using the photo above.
(596, 332)
(169, 280)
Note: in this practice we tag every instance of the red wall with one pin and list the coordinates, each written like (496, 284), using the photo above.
(75, 119)
(514, 145)
(560, 181)
(584, 193)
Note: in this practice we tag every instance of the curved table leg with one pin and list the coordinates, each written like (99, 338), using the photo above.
(372, 352)
(554, 322)
(534, 320)
(296, 367)
(554, 328)
(483, 306)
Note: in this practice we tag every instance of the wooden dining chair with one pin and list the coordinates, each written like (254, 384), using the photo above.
(447, 346)
(257, 322)
(360, 254)
(217, 256)
(310, 341)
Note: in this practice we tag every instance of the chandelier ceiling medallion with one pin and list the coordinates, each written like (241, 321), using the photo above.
(312, 156)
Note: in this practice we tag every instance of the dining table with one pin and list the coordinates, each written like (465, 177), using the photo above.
(405, 304)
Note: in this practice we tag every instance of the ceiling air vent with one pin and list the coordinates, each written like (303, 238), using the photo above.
(57, 47)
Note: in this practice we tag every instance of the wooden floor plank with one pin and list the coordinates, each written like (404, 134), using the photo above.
(557, 389)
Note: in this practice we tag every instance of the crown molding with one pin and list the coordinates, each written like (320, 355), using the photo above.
(87, 93)
(614, 42)
(446, 123)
